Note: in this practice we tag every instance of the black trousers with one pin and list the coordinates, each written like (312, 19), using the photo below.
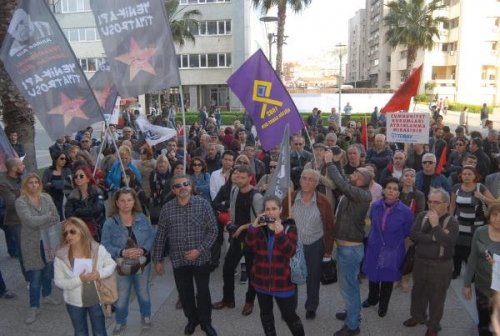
(217, 246)
(231, 261)
(461, 255)
(287, 309)
(199, 310)
(380, 292)
(313, 254)
(484, 313)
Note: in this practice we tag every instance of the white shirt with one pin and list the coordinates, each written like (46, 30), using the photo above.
(217, 180)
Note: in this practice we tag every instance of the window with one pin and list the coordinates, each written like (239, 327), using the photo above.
(212, 27)
(189, 61)
(454, 23)
(222, 27)
(212, 60)
(201, 2)
(81, 34)
(203, 60)
(71, 6)
(91, 64)
(194, 61)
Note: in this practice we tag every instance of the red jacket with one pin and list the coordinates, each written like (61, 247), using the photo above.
(271, 274)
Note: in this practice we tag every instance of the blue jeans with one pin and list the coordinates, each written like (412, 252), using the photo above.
(78, 316)
(40, 280)
(141, 287)
(348, 262)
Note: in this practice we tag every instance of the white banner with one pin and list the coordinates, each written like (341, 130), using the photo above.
(152, 133)
(408, 127)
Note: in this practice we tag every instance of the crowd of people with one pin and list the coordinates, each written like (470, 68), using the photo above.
(131, 208)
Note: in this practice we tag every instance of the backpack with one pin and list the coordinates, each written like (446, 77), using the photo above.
(298, 266)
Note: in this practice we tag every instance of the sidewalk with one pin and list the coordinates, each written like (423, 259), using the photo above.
(168, 321)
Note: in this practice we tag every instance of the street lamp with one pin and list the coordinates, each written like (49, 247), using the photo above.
(270, 36)
(340, 47)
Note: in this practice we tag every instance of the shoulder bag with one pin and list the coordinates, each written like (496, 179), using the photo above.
(106, 287)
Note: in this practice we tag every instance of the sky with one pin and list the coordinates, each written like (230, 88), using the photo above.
(314, 32)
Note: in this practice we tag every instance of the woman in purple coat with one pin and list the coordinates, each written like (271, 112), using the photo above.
(391, 221)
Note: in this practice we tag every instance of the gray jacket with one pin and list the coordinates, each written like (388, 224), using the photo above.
(352, 208)
(9, 191)
(33, 221)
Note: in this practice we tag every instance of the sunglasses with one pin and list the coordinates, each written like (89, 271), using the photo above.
(70, 232)
(242, 162)
(299, 144)
(62, 158)
(180, 185)
(79, 176)
(428, 162)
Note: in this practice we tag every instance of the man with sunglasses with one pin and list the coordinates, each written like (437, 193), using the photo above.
(427, 177)
(189, 225)
(435, 233)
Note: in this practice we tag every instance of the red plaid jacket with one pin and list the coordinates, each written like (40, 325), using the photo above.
(271, 274)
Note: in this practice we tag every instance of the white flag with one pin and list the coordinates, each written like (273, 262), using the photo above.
(152, 133)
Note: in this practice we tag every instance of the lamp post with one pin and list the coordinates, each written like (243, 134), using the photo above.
(340, 47)
(270, 36)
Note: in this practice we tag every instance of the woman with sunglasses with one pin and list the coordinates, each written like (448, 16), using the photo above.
(86, 201)
(37, 214)
(128, 234)
(242, 159)
(159, 184)
(53, 180)
(266, 179)
(468, 199)
(79, 290)
(200, 177)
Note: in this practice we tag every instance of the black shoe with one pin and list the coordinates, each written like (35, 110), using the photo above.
(190, 328)
(341, 316)
(345, 331)
(209, 330)
(310, 315)
(382, 312)
(367, 304)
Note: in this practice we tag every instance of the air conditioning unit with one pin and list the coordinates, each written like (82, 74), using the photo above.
(452, 52)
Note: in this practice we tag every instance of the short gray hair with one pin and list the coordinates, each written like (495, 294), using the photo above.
(313, 172)
(445, 196)
(12, 163)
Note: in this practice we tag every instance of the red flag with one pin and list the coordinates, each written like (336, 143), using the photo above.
(364, 134)
(442, 160)
(401, 98)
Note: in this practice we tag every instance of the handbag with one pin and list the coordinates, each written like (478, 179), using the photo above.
(408, 261)
(106, 287)
(328, 272)
(127, 266)
(298, 266)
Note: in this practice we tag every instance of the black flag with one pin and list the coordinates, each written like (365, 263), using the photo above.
(138, 43)
(42, 65)
(104, 88)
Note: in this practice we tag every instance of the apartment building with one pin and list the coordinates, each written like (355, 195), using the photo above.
(357, 60)
(229, 32)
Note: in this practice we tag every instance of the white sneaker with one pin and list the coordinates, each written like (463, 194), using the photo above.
(146, 323)
(51, 300)
(119, 328)
(32, 315)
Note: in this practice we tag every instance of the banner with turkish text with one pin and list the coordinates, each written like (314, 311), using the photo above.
(408, 127)
(138, 43)
(400, 101)
(42, 65)
(266, 99)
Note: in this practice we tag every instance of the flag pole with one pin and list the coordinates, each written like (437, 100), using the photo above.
(184, 128)
(100, 150)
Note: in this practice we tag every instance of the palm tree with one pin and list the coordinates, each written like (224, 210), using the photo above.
(17, 115)
(295, 5)
(182, 21)
(411, 24)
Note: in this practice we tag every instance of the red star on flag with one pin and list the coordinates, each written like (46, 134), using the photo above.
(69, 109)
(103, 95)
(138, 59)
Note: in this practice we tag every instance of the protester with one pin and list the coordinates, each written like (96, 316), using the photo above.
(200, 177)
(128, 236)
(53, 180)
(37, 214)
(79, 290)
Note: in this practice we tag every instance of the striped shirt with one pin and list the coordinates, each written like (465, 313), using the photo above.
(308, 220)
(186, 227)
(468, 210)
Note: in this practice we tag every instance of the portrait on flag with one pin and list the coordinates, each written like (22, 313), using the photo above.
(266, 99)
(41, 63)
(138, 43)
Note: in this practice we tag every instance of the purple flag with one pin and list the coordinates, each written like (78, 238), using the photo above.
(138, 43)
(42, 65)
(6, 150)
(266, 99)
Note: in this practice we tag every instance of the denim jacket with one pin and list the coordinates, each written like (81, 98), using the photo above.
(115, 235)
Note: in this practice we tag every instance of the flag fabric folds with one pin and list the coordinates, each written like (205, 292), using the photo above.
(104, 88)
(443, 159)
(280, 181)
(6, 150)
(266, 99)
(154, 134)
(364, 134)
(42, 65)
(400, 101)
(138, 43)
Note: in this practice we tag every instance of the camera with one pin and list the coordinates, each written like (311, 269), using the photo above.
(231, 228)
(266, 219)
(336, 150)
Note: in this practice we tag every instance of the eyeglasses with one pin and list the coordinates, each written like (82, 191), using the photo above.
(242, 162)
(434, 202)
(298, 144)
(180, 185)
(428, 162)
(70, 232)
(62, 158)
(196, 165)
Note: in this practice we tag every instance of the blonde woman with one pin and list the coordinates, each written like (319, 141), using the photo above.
(80, 293)
(37, 213)
(114, 177)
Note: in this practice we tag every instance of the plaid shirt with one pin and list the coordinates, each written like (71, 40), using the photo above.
(186, 227)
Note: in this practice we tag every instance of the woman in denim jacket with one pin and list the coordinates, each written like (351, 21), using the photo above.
(129, 234)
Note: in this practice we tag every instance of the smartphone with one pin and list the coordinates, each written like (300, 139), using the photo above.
(488, 253)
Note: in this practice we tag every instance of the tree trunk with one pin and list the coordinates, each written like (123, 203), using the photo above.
(281, 36)
(17, 114)
(411, 56)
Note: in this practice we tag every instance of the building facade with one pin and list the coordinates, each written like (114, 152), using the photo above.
(357, 60)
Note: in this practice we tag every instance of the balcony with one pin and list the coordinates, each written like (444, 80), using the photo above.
(444, 82)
